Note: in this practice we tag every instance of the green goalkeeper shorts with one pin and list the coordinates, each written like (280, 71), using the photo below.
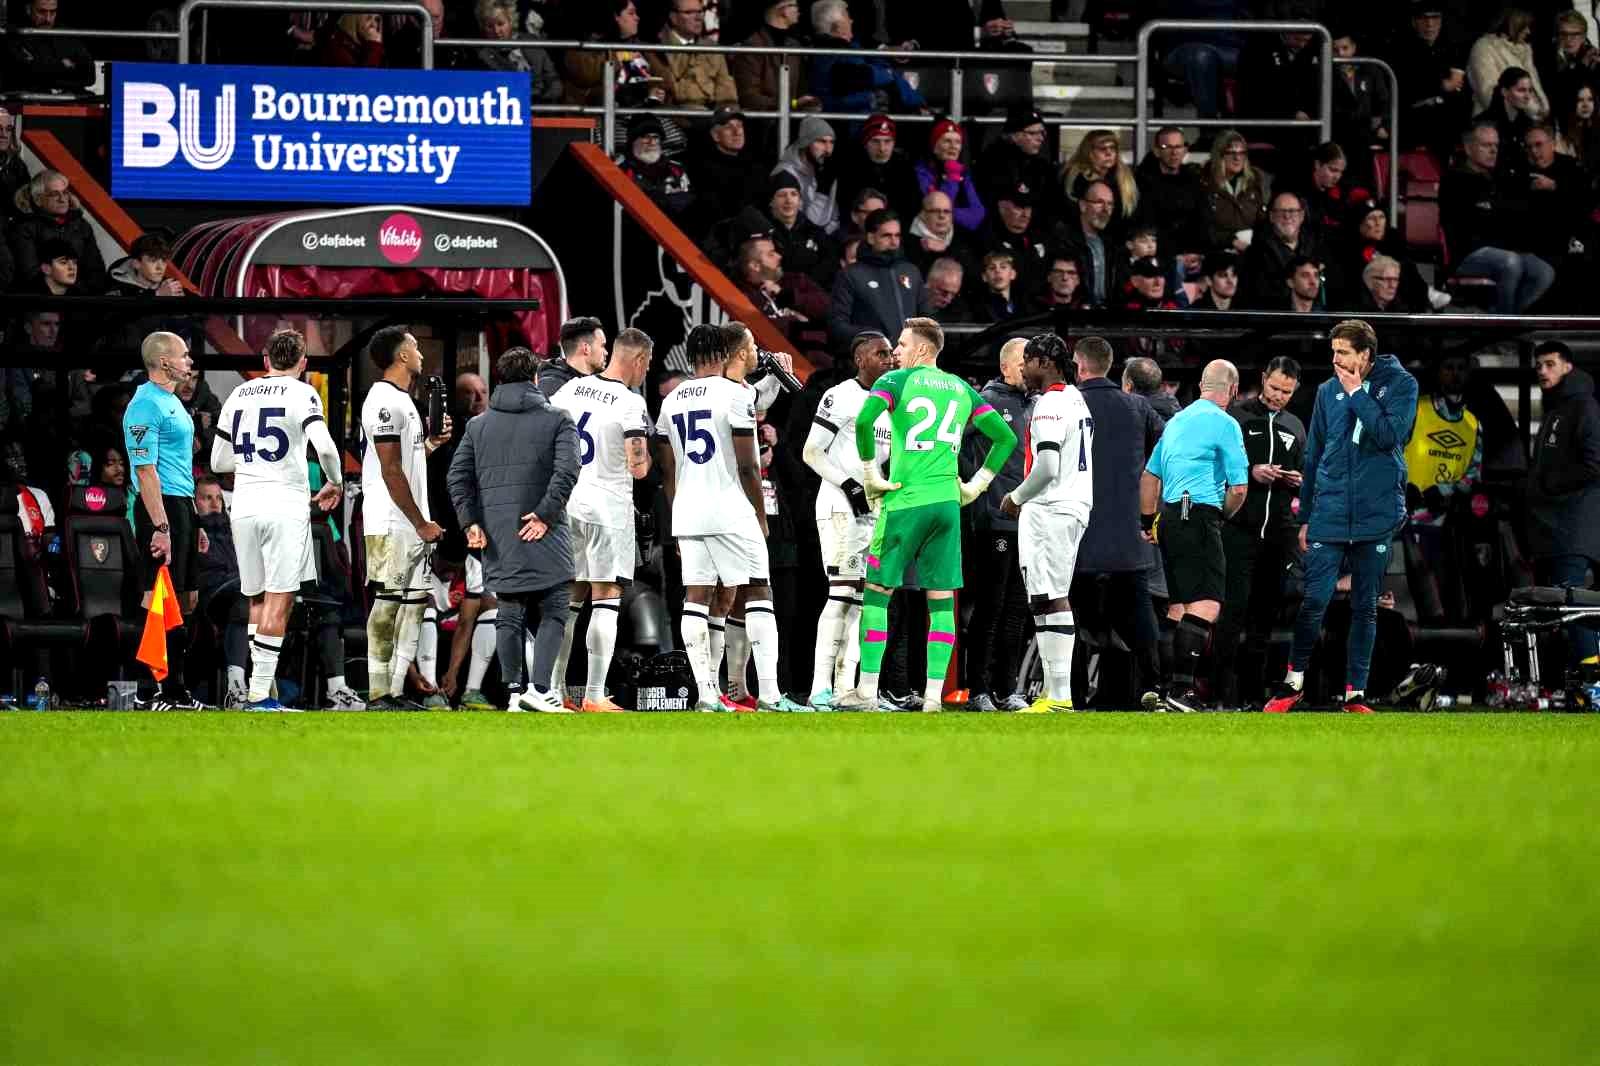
(928, 536)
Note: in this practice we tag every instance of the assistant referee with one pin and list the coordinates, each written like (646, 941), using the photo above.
(158, 432)
(1196, 477)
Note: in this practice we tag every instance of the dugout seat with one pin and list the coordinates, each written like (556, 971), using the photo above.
(26, 624)
(99, 544)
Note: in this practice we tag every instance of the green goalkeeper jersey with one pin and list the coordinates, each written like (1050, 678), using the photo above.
(928, 411)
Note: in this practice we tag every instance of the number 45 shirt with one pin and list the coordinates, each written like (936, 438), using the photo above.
(699, 419)
(266, 421)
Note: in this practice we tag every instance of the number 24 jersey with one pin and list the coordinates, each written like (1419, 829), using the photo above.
(929, 410)
(699, 418)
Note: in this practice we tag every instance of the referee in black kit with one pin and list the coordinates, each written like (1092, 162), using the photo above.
(158, 432)
(1197, 476)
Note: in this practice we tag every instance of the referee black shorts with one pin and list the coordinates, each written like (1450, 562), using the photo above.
(1191, 549)
(185, 565)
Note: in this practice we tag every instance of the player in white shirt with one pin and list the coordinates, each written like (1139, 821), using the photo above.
(1052, 506)
(394, 501)
(262, 433)
(845, 517)
(711, 471)
(613, 448)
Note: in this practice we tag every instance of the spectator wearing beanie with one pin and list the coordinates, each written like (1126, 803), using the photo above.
(803, 244)
(1369, 235)
(1018, 157)
(664, 181)
(1146, 287)
(808, 160)
(943, 170)
(879, 164)
(1013, 229)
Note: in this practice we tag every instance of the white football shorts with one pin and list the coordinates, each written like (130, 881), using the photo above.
(603, 553)
(731, 558)
(1047, 549)
(845, 539)
(398, 563)
(274, 552)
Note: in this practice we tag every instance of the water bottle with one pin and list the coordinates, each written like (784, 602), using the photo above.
(41, 696)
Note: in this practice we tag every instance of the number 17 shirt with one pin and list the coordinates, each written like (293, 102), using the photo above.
(699, 418)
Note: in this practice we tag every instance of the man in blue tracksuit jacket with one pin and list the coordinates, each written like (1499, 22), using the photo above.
(1352, 500)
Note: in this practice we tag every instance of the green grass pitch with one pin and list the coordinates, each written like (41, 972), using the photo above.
(820, 889)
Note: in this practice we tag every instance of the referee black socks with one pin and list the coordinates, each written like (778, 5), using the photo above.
(1188, 644)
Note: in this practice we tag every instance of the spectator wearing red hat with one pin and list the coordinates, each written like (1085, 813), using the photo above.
(943, 170)
(877, 164)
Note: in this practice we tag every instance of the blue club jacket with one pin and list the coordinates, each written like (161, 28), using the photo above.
(1354, 488)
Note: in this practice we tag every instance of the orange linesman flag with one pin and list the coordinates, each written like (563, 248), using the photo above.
(164, 614)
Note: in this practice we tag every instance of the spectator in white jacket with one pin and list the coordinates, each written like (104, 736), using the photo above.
(1509, 44)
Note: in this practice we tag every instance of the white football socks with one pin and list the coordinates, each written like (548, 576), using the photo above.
(1056, 635)
(264, 652)
(830, 635)
(602, 642)
(762, 625)
(482, 649)
(697, 644)
(738, 655)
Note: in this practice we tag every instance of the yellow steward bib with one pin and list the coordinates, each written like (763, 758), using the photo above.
(1440, 451)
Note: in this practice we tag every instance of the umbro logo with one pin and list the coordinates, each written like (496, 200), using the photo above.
(1447, 438)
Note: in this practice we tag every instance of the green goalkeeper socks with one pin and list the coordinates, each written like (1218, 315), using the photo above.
(941, 638)
(874, 629)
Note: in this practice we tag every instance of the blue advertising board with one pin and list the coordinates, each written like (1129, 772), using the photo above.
(313, 135)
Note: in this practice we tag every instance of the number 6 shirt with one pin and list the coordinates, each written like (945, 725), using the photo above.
(699, 419)
(266, 420)
(606, 413)
(388, 415)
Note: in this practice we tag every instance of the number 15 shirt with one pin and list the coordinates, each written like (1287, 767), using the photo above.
(699, 418)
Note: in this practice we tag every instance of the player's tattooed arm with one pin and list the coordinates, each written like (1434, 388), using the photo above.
(638, 456)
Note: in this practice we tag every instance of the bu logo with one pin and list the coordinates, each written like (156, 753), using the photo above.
(150, 139)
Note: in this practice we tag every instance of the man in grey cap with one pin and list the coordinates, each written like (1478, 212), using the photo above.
(807, 159)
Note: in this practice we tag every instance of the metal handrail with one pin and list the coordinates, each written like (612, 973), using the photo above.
(122, 35)
(1394, 128)
(1142, 78)
(374, 7)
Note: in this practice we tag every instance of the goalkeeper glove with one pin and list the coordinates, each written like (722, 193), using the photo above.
(873, 481)
(860, 506)
(976, 486)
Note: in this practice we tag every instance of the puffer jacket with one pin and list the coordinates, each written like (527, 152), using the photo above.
(1354, 485)
(519, 456)
(1013, 405)
(877, 292)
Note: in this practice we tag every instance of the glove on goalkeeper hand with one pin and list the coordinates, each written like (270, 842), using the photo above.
(874, 482)
(976, 486)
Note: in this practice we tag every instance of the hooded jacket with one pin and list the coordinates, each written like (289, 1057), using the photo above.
(519, 456)
(877, 292)
(1013, 405)
(1564, 476)
(1354, 485)
(818, 205)
(1277, 438)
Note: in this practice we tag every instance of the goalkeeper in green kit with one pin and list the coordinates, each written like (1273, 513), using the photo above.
(920, 521)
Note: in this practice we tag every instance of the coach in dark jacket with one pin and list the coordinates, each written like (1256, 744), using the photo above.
(1126, 429)
(510, 479)
(881, 289)
(1564, 481)
(1000, 604)
(1258, 541)
(1352, 499)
